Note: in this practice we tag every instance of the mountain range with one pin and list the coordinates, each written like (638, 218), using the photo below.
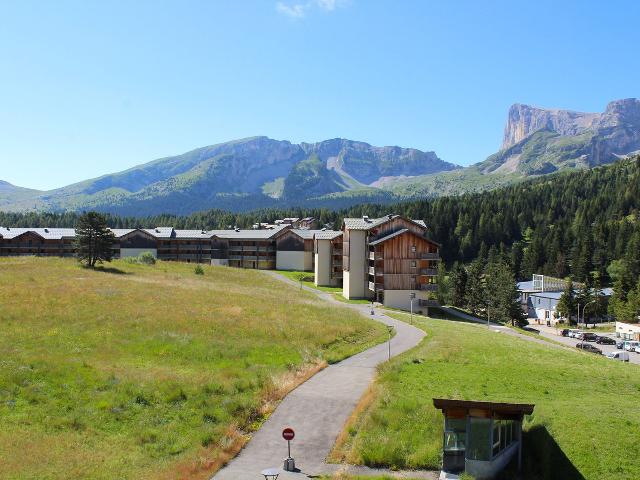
(260, 172)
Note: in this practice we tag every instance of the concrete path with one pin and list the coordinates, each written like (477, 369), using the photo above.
(318, 409)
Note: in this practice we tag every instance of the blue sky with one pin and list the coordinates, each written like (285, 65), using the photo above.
(93, 87)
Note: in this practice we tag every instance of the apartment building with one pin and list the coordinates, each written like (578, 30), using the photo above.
(237, 248)
(328, 258)
(390, 260)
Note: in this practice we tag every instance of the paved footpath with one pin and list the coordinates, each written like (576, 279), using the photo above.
(318, 409)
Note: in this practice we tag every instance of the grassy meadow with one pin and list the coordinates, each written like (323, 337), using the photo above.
(585, 423)
(306, 279)
(150, 371)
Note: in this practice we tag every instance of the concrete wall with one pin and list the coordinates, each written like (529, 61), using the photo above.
(294, 260)
(485, 470)
(134, 252)
(355, 281)
(401, 299)
(322, 270)
(221, 262)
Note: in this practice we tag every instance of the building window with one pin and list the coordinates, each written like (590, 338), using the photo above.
(413, 264)
(455, 434)
(413, 248)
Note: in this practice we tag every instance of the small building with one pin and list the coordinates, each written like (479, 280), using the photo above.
(481, 438)
(539, 298)
(628, 331)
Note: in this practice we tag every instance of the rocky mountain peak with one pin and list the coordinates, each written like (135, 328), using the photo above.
(523, 120)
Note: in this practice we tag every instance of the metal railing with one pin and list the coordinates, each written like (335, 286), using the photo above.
(430, 256)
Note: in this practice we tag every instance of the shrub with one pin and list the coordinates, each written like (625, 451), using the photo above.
(198, 270)
(146, 258)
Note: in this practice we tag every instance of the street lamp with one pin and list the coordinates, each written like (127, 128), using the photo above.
(584, 308)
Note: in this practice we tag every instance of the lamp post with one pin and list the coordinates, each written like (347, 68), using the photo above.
(584, 308)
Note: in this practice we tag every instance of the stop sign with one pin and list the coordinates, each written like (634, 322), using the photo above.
(288, 434)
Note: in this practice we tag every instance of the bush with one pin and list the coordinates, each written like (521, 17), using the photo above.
(198, 270)
(146, 258)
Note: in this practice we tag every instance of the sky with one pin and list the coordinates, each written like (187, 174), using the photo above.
(93, 87)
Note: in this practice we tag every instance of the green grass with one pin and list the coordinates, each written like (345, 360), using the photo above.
(307, 279)
(586, 406)
(150, 371)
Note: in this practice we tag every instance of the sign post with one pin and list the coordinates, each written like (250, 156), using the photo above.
(289, 463)
(412, 295)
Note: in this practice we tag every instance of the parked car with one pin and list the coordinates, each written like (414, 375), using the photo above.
(574, 333)
(588, 337)
(587, 347)
(630, 346)
(620, 345)
(619, 355)
(564, 332)
(602, 340)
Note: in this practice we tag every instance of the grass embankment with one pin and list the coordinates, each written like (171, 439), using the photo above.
(585, 422)
(306, 279)
(152, 372)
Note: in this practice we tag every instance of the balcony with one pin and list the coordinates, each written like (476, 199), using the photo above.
(431, 272)
(428, 287)
(266, 249)
(430, 256)
(337, 251)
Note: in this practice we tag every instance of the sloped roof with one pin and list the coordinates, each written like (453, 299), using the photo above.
(46, 233)
(327, 234)
(362, 224)
(397, 233)
(305, 233)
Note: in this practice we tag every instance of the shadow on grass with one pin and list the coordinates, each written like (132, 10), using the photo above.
(112, 270)
(542, 457)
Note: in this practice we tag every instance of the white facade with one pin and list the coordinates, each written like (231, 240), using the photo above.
(355, 280)
(134, 252)
(294, 260)
(628, 331)
(401, 299)
(220, 262)
(323, 266)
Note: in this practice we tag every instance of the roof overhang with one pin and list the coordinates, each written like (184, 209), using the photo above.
(499, 408)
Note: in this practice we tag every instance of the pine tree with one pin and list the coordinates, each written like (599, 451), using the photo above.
(458, 285)
(442, 294)
(567, 303)
(475, 293)
(93, 239)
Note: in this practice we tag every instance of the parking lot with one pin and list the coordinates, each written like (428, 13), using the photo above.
(551, 333)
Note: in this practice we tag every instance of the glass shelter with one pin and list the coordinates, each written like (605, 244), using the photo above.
(481, 438)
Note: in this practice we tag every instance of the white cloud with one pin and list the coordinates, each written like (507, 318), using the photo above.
(327, 4)
(300, 9)
(296, 10)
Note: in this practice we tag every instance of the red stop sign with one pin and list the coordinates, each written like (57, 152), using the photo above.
(288, 434)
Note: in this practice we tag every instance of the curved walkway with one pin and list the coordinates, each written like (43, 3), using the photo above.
(318, 409)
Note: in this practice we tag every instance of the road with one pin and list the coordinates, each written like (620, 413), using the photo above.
(318, 409)
(545, 332)
(550, 332)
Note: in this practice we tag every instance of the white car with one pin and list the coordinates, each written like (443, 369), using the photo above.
(631, 346)
(575, 333)
(618, 355)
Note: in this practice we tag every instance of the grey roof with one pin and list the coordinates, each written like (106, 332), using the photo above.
(362, 224)
(306, 233)
(121, 232)
(397, 233)
(261, 234)
(327, 234)
(46, 233)
(526, 286)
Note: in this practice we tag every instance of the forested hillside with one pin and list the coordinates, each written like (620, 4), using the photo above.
(566, 224)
